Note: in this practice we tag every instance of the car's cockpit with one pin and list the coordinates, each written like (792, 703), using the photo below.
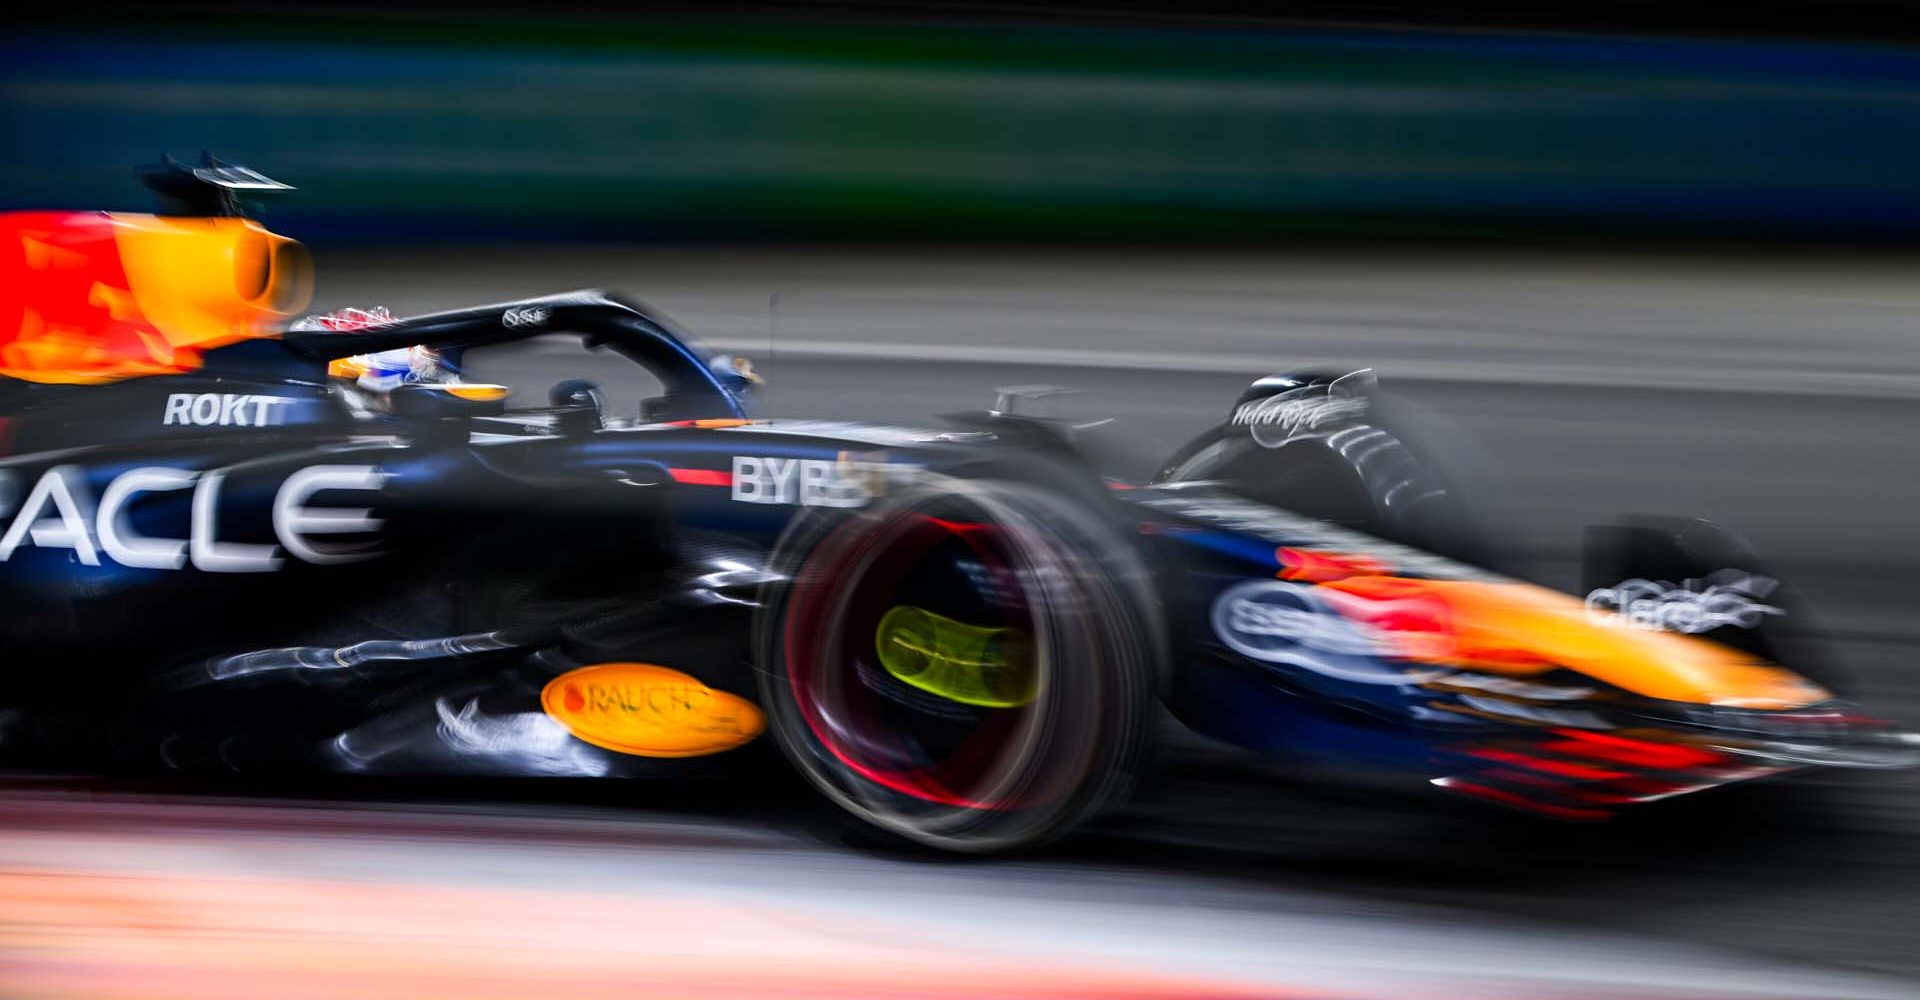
(428, 379)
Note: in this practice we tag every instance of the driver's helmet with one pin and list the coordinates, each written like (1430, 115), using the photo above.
(382, 371)
(387, 370)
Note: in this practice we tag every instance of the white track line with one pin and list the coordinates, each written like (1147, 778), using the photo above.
(1879, 385)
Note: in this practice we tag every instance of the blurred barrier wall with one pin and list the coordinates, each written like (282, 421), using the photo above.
(656, 131)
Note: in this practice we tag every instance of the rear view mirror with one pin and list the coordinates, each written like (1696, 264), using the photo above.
(579, 406)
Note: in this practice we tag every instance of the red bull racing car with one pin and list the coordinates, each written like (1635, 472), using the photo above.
(236, 540)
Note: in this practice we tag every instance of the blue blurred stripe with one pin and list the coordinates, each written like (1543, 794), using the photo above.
(1167, 133)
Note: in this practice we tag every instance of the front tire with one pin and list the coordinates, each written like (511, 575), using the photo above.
(1065, 641)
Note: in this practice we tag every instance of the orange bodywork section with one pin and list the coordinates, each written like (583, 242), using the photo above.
(1520, 629)
(1315, 566)
(649, 711)
(95, 297)
(478, 392)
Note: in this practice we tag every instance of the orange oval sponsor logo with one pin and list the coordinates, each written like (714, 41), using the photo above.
(649, 711)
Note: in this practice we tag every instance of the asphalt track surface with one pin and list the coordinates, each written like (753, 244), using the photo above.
(1780, 397)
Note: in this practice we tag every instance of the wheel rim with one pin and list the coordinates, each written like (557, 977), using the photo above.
(910, 741)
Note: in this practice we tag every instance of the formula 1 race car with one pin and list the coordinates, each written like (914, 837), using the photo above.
(235, 542)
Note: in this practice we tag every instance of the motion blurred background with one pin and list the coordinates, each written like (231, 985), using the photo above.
(1650, 258)
(1138, 124)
